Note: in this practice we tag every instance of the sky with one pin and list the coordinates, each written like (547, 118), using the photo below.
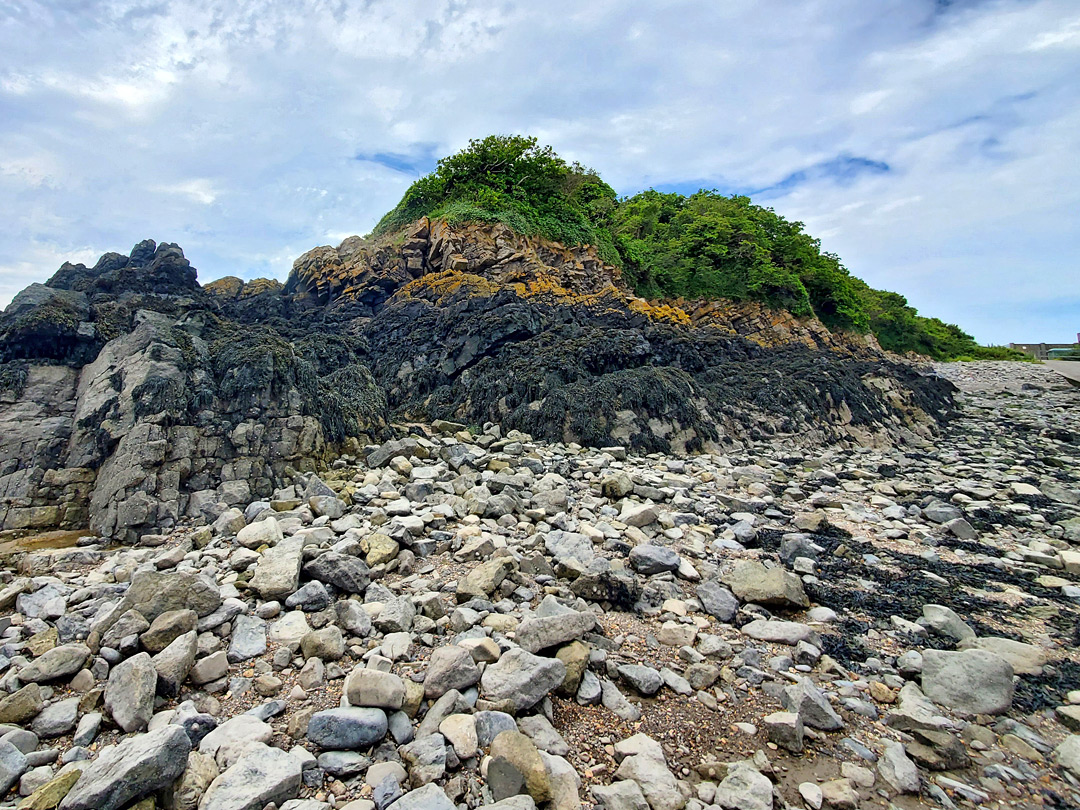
(934, 145)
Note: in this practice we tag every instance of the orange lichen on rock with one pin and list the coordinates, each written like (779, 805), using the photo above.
(435, 260)
(659, 311)
(233, 287)
(440, 287)
(227, 287)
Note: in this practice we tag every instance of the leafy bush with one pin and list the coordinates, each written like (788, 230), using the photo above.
(513, 180)
(711, 246)
(899, 327)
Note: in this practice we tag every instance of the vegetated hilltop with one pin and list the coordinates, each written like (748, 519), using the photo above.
(705, 245)
(132, 398)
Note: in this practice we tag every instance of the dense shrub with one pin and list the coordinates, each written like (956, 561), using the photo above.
(511, 179)
(711, 246)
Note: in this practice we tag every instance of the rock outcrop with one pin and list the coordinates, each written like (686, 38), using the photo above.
(132, 398)
(475, 323)
(128, 401)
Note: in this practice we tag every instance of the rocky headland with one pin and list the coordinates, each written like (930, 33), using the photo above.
(453, 520)
(131, 397)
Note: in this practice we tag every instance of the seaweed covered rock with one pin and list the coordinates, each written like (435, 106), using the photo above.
(45, 322)
(604, 369)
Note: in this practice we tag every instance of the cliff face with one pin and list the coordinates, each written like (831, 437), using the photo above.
(131, 396)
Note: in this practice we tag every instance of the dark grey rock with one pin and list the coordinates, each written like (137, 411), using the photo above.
(346, 573)
(718, 601)
(248, 639)
(522, 678)
(428, 797)
(539, 634)
(174, 663)
(450, 667)
(352, 618)
(343, 764)
(396, 615)
(59, 662)
(811, 705)
(13, 765)
(136, 767)
(310, 598)
(490, 724)
(426, 758)
(650, 559)
(348, 728)
(645, 680)
(56, 719)
(129, 694)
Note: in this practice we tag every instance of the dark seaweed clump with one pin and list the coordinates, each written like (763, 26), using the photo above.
(1047, 691)
(854, 588)
(563, 371)
(13, 378)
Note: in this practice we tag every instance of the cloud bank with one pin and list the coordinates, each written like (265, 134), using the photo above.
(933, 145)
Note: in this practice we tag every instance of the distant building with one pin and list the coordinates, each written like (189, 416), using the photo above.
(1041, 351)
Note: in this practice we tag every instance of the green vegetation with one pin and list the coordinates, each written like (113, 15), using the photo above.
(13, 378)
(705, 245)
(511, 179)
(711, 246)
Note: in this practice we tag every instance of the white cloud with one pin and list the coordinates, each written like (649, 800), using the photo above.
(30, 170)
(1067, 35)
(232, 128)
(15, 276)
(198, 190)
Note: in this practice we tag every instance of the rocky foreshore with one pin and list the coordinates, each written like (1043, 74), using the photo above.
(456, 619)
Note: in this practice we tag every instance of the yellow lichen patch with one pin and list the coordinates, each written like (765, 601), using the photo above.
(660, 311)
(541, 285)
(229, 286)
(441, 286)
(260, 285)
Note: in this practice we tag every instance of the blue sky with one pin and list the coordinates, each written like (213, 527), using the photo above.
(935, 146)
